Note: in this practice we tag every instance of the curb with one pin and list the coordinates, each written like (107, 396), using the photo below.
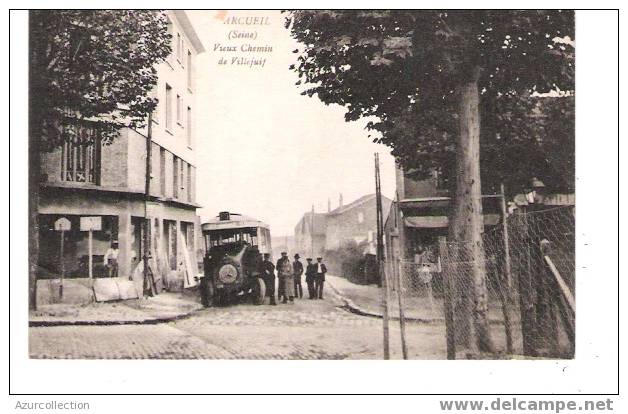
(148, 321)
(350, 306)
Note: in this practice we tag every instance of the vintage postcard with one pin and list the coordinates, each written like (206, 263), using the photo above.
(196, 189)
(309, 185)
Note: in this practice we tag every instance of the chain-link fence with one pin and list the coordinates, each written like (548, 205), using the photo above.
(504, 294)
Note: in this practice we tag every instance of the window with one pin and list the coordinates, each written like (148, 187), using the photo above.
(80, 155)
(170, 32)
(175, 177)
(360, 217)
(179, 109)
(189, 183)
(179, 44)
(182, 176)
(162, 171)
(189, 63)
(168, 107)
(189, 126)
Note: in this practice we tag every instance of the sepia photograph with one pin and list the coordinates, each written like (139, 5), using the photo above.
(308, 202)
(302, 184)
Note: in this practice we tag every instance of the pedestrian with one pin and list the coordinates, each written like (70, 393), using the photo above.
(111, 259)
(297, 271)
(284, 273)
(268, 275)
(310, 277)
(321, 269)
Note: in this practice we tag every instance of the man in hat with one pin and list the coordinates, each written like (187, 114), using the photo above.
(111, 259)
(321, 269)
(310, 277)
(268, 275)
(286, 282)
(297, 271)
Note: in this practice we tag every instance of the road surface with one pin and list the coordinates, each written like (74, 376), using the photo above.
(308, 329)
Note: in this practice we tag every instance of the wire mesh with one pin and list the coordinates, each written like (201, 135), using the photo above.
(502, 295)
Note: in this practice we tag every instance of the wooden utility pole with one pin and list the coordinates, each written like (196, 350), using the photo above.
(146, 238)
(380, 257)
(396, 261)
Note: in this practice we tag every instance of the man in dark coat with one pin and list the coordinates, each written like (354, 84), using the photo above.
(297, 271)
(268, 274)
(321, 269)
(310, 278)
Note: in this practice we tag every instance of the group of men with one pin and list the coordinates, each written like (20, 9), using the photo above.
(289, 276)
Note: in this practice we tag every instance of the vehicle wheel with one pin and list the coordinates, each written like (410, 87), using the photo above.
(259, 291)
(208, 297)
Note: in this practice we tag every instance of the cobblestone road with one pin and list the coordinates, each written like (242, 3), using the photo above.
(309, 329)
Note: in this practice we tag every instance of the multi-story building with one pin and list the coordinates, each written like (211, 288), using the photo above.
(420, 215)
(355, 221)
(309, 235)
(108, 181)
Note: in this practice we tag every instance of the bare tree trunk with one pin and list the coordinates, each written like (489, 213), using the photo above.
(33, 222)
(467, 220)
(34, 157)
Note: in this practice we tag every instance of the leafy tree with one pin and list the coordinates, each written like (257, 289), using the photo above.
(87, 67)
(426, 77)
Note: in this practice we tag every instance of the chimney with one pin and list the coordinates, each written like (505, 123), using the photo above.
(328, 205)
(340, 201)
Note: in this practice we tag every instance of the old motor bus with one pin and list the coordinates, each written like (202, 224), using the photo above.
(234, 245)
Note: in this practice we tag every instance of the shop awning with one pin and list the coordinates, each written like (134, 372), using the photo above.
(433, 222)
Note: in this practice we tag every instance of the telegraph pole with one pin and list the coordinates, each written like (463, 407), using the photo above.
(380, 257)
(146, 241)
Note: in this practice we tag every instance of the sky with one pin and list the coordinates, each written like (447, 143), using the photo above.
(263, 149)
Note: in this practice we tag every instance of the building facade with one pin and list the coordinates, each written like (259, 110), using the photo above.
(309, 235)
(108, 181)
(420, 213)
(354, 222)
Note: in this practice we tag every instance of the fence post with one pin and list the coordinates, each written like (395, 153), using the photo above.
(505, 300)
(507, 265)
(528, 326)
(402, 317)
(447, 298)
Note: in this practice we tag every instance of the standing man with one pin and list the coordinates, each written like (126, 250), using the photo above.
(268, 274)
(111, 259)
(321, 269)
(297, 271)
(310, 277)
(284, 272)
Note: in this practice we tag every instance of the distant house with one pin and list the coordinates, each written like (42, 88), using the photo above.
(356, 221)
(309, 235)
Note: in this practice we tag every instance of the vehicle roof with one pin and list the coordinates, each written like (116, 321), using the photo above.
(235, 222)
